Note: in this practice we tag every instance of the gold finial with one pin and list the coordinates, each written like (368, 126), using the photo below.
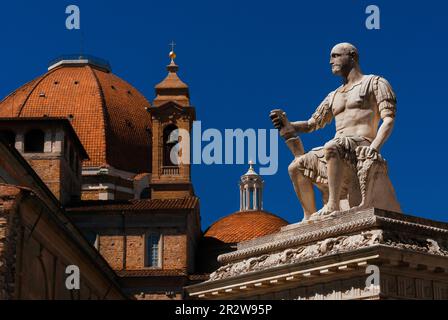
(172, 54)
(251, 166)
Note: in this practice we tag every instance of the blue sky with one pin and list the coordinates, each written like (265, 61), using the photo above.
(244, 58)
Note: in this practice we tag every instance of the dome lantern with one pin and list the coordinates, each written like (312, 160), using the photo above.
(251, 190)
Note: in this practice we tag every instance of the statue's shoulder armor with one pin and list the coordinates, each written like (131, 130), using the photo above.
(323, 114)
(367, 85)
(330, 98)
(378, 86)
(381, 89)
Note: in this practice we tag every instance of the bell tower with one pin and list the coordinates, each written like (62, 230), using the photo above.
(172, 121)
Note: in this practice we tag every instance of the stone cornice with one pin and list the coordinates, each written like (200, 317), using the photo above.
(344, 223)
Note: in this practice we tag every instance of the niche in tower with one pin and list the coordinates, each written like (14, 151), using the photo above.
(170, 139)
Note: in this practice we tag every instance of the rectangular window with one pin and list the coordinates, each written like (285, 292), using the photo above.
(153, 250)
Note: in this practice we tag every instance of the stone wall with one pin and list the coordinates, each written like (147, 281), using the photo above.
(35, 249)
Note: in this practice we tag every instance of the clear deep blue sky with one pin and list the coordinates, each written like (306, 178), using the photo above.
(243, 58)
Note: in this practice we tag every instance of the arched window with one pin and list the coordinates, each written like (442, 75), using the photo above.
(170, 139)
(9, 136)
(34, 141)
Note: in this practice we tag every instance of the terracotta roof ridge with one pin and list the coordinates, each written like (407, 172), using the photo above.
(103, 109)
(15, 91)
(189, 203)
(253, 211)
(152, 272)
(242, 213)
(32, 90)
(170, 79)
(164, 199)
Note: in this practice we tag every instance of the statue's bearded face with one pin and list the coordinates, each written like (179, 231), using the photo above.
(341, 61)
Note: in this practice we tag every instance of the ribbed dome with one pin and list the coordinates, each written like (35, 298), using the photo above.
(107, 113)
(244, 225)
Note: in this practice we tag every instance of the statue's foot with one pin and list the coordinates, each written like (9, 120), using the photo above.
(306, 219)
(326, 211)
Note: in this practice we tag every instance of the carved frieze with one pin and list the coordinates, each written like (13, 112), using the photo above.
(328, 247)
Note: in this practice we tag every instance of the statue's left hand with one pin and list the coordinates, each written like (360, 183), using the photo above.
(366, 152)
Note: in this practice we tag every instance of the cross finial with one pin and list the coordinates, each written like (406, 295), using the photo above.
(172, 44)
(172, 54)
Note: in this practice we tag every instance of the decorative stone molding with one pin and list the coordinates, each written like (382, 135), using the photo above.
(319, 249)
(340, 234)
(341, 224)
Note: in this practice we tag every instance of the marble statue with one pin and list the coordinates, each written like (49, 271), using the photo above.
(348, 170)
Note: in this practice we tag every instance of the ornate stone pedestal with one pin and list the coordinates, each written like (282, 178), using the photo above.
(370, 254)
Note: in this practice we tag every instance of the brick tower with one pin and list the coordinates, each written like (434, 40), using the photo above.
(172, 119)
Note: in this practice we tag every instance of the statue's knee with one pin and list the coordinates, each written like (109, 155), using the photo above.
(293, 168)
(331, 150)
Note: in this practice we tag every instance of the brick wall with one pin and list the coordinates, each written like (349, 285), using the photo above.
(111, 248)
(90, 195)
(135, 251)
(173, 255)
(175, 251)
(49, 171)
(156, 194)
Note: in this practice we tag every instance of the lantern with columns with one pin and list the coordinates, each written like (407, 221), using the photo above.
(251, 190)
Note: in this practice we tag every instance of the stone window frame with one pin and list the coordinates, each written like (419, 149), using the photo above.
(160, 249)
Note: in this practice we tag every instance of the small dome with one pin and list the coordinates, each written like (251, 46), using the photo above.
(107, 113)
(243, 226)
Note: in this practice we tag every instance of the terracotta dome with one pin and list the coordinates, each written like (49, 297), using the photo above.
(244, 225)
(107, 113)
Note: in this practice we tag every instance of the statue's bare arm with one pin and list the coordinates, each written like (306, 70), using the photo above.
(321, 117)
(383, 134)
(304, 126)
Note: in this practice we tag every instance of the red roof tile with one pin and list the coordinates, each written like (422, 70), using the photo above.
(136, 205)
(242, 226)
(109, 114)
(151, 273)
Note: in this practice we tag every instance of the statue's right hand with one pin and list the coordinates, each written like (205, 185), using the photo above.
(282, 123)
(277, 116)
